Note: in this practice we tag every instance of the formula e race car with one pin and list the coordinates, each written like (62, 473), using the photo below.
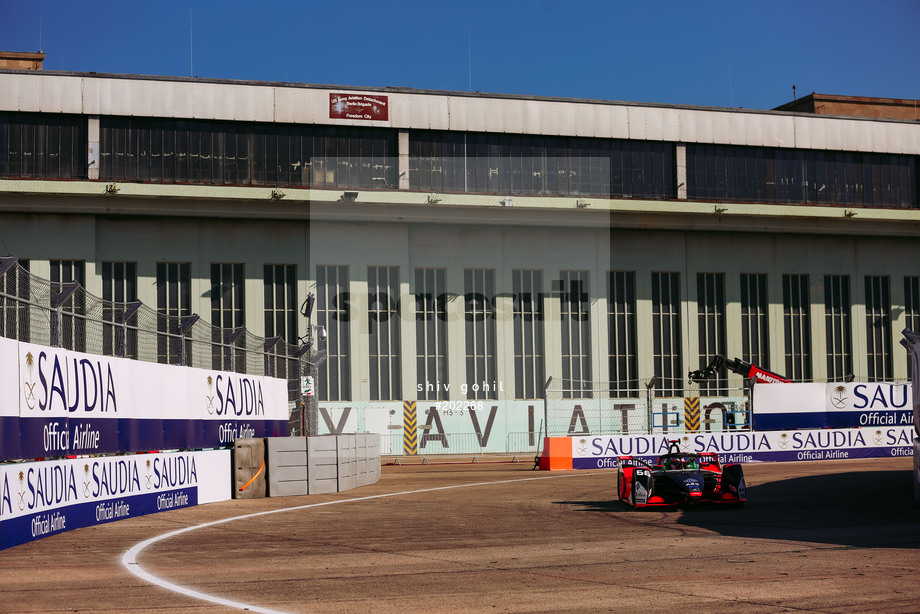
(679, 478)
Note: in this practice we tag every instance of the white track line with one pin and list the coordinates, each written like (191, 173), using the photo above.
(129, 559)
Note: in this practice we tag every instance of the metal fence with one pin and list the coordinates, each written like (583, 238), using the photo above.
(462, 444)
(65, 315)
(590, 407)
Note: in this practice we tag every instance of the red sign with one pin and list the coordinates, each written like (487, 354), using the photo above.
(358, 106)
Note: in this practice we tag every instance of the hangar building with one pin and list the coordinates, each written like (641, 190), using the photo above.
(466, 247)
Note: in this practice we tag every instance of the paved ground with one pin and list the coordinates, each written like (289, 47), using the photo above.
(835, 536)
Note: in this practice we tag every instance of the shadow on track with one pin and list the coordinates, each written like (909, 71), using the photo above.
(859, 509)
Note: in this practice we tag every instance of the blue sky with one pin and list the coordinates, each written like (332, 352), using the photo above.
(720, 53)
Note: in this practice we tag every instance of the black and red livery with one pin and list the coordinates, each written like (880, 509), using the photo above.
(679, 478)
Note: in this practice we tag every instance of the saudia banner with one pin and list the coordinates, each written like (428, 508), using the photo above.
(827, 444)
(833, 405)
(43, 498)
(55, 402)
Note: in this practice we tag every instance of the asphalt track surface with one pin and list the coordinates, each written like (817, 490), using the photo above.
(831, 536)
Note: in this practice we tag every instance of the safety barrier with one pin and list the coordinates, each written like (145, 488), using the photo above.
(286, 466)
(603, 451)
(45, 498)
(56, 402)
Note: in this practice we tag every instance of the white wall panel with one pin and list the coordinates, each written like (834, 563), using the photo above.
(9, 93)
(512, 116)
(29, 94)
(256, 104)
(862, 136)
(493, 116)
(397, 109)
(721, 127)
(752, 129)
(203, 100)
(473, 113)
(438, 113)
(619, 122)
(549, 122)
(894, 139)
(833, 136)
(636, 123)
(531, 117)
(818, 132)
(601, 122)
(699, 128)
(910, 139)
(778, 131)
(118, 98)
(671, 126)
(135, 98)
(232, 104)
(143, 98)
(565, 118)
(283, 111)
(91, 92)
(739, 127)
(403, 108)
(50, 95)
(655, 123)
(96, 94)
(183, 100)
(105, 96)
(302, 103)
(803, 136)
(584, 121)
(456, 114)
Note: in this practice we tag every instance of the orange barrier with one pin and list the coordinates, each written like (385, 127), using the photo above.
(557, 454)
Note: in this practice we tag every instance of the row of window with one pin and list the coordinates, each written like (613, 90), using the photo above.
(764, 174)
(573, 290)
(43, 146)
(543, 165)
(238, 153)
(201, 152)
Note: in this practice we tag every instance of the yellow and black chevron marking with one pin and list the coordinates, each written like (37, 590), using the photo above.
(410, 428)
(692, 414)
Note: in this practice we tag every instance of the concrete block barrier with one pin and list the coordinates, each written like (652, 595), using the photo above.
(287, 463)
(315, 465)
(322, 465)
